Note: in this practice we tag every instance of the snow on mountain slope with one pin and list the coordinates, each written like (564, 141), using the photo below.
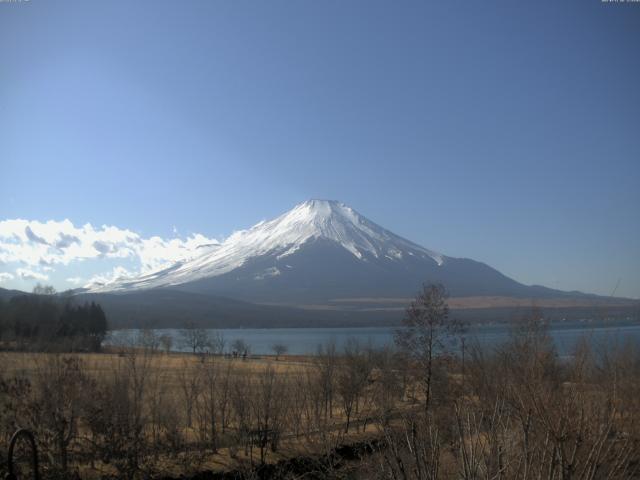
(312, 220)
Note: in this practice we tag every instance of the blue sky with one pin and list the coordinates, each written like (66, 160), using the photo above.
(503, 131)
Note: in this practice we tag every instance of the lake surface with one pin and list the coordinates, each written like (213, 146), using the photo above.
(302, 341)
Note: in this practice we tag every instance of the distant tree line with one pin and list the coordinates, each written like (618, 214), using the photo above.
(44, 320)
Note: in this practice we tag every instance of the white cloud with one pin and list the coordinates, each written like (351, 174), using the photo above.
(117, 274)
(75, 280)
(26, 274)
(42, 246)
(4, 276)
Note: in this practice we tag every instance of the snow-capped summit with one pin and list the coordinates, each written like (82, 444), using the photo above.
(328, 221)
(319, 253)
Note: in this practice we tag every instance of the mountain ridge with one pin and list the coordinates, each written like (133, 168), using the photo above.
(311, 220)
(322, 250)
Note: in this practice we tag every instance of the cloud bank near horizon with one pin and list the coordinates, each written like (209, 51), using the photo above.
(31, 250)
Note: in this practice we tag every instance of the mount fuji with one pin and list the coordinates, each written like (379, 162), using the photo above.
(324, 251)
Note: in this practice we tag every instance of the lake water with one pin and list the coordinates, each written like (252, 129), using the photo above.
(306, 340)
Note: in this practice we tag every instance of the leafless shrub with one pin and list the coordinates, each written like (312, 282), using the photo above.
(166, 342)
(352, 378)
(326, 362)
(189, 381)
(207, 402)
(268, 407)
(116, 416)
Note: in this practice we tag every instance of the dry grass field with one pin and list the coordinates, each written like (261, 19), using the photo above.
(170, 364)
(515, 412)
(194, 412)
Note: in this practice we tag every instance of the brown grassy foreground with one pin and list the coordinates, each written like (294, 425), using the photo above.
(142, 412)
(518, 412)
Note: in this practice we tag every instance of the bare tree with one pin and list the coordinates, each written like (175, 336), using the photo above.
(158, 405)
(166, 341)
(325, 362)
(217, 343)
(195, 339)
(279, 349)
(222, 396)
(240, 400)
(427, 331)
(190, 382)
(268, 405)
(240, 347)
(353, 374)
(148, 339)
(116, 414)
(388, 387)
(58, 401)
